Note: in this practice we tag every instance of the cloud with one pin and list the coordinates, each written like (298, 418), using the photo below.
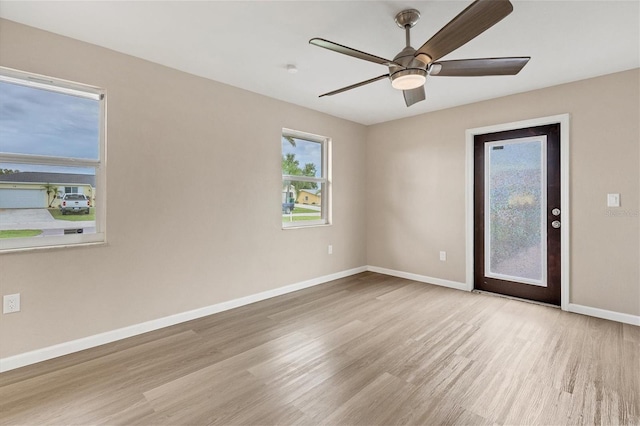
(41, 122)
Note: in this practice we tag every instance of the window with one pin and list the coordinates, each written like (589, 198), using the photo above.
(306, 179)
(51, 144)
(75, 197)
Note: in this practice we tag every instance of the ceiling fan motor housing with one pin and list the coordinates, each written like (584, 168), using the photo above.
(410, 67)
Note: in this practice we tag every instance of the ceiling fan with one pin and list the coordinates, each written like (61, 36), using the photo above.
(409, 69)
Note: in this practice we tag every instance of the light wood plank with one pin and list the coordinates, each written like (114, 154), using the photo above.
(367, 349)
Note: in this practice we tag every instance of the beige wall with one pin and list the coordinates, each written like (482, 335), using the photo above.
(173, 133)
(416, 186)
(176, 136)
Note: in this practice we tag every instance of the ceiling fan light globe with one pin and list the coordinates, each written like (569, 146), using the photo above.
(408, 79)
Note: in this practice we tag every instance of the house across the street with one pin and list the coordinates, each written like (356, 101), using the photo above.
(28, 190)
(309, 196)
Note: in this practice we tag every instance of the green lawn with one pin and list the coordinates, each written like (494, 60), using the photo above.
(20, 233)
(315, 216)
(285, 218)
(74, 217)
(303, 210)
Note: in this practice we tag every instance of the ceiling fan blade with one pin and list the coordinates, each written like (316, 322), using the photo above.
(353, 86)
(350, 52)
(478, 67)
(470, 23)
(414, 95)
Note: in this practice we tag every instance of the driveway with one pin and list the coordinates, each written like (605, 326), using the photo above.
(309, 206)
(36, 219)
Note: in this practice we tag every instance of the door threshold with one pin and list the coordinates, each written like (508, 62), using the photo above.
(535, 302)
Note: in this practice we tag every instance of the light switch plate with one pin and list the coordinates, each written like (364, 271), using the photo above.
(613, 200)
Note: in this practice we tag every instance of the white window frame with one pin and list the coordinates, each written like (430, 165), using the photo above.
(75, 89)
(324, 180)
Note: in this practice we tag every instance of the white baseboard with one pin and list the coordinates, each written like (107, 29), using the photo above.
(604, 314)
(572, 307)
(421, 278)
(39, 355)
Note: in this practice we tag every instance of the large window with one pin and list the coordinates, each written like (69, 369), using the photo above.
(51, 144)
(306, 183)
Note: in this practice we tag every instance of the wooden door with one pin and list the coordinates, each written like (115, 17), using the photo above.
(517, 213)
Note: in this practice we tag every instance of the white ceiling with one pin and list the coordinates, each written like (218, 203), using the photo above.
(248, 44)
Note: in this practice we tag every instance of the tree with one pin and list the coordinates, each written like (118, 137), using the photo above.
(309, 170)
(291, 166)
(51, 189)
(8, 171)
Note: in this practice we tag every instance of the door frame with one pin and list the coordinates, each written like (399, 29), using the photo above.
(563, 119)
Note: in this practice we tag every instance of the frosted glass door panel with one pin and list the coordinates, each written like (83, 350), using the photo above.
(515, 210)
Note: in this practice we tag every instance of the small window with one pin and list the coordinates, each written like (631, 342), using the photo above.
(75, 197)
(52, 170)
(305, 179)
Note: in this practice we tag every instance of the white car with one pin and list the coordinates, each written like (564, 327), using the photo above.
(77, 203)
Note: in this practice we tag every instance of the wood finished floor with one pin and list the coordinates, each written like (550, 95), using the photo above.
(368, 349)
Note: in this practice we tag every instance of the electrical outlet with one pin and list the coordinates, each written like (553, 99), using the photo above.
(443, 256)
(330, 249)
(11, 303)
(613, 200)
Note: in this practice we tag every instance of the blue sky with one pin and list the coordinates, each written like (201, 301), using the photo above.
(306, 152)
(41, 122)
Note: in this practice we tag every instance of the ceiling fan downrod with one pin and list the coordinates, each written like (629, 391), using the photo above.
(406, 20)
(407, 35)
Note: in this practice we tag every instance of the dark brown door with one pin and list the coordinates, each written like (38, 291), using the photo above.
(517, 213)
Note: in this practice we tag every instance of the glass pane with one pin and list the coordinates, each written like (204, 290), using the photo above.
(301, 202)
(515, 210)
(41, 122)
(301, 157)
(42, 200)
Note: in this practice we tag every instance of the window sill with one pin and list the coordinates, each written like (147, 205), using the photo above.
(12, 246)
(306, 225)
